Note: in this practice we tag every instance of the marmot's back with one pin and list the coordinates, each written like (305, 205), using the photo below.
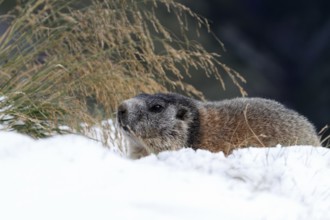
(244, 122)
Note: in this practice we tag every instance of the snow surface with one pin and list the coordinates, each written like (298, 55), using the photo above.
(71, 177)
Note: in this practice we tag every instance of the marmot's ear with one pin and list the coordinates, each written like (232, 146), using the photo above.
(181, 114)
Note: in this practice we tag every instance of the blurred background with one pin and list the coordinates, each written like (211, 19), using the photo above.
(282, 48)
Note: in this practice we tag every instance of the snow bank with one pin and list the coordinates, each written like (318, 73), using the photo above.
(71, 177)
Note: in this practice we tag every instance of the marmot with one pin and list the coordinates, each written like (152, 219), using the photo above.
(168, 121)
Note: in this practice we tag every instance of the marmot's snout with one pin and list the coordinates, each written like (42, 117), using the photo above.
(122, 113)
(125, 117)
(122, 116)
(130, 114)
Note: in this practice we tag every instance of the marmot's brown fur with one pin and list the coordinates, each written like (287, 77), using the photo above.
(154, 123)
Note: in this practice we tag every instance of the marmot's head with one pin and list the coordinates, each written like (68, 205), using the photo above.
(160, 121)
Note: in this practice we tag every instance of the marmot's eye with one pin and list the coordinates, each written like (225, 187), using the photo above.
(156, 108)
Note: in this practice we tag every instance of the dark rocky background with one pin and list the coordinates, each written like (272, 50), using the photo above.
(281, 47)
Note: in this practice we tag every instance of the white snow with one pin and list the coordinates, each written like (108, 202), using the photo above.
(71, 177)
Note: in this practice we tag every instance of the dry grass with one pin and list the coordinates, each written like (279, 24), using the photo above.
(325, 136)
(62, 66)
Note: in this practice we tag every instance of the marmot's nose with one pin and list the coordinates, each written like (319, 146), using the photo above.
(122, 112)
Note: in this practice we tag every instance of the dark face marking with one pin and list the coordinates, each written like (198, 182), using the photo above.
(182, 112)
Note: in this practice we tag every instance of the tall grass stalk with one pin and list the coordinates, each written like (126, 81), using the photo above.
(62, 67)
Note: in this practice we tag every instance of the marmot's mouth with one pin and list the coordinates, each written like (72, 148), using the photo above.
(123, 126)
(126, 128)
